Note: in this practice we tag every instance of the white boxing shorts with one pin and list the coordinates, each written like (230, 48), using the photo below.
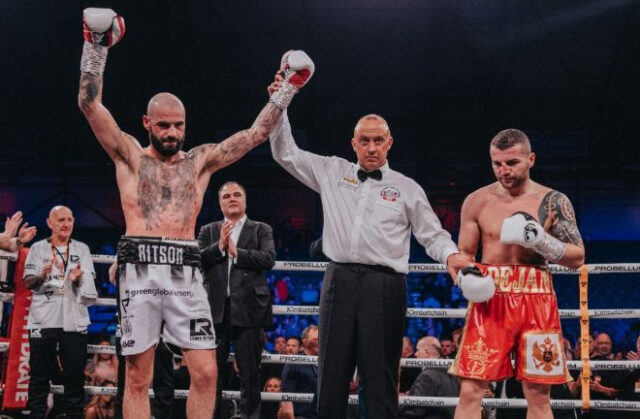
(161, 291)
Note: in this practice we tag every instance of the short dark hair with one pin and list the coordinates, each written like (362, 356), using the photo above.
(507, 138)
(232, 182)
(295, 338)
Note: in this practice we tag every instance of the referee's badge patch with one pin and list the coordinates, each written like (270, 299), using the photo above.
(349, 183)
(390, 194)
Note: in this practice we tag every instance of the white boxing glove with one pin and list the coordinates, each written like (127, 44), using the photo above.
(475, 287)
(296, 68)
(101, 29)
(522, 229)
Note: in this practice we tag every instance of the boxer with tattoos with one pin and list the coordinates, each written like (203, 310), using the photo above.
(161, 190)
(521, 226)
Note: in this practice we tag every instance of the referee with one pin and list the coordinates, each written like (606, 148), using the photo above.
(370, 212)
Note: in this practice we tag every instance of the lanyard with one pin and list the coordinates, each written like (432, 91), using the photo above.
(62, 267)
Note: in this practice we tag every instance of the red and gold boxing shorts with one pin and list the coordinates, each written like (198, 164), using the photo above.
(521, 319)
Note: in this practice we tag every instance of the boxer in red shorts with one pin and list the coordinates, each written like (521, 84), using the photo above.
(521, 226)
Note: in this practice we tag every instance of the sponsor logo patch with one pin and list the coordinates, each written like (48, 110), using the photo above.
(530, 232)
(200, 329)
(127, 328)
(128, 343)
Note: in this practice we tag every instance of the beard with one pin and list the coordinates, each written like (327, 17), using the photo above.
(164, 149)
(512, 183)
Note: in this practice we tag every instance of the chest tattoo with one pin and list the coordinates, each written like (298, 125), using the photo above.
(166, 193)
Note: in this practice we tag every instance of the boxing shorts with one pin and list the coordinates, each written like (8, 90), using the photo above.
(522, 320)
(161, 290)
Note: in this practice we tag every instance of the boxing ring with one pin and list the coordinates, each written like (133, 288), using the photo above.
(583, 314)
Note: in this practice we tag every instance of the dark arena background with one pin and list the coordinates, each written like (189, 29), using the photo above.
(447, 75)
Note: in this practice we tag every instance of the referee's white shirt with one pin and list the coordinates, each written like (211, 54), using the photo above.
(366, 222)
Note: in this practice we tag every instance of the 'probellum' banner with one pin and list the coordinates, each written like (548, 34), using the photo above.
(17, 380)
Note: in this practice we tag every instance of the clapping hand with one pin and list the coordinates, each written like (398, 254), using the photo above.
(75, 274)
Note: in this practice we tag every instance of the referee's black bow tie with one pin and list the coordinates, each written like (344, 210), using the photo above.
(374, 174)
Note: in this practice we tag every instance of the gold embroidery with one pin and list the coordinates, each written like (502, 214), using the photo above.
(478, 355)
(350, 180)
(505, 278)
(531, 285)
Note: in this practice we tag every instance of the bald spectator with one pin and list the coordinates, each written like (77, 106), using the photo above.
(59, 270)
(432, 382)
(604, 346)
(603, 383)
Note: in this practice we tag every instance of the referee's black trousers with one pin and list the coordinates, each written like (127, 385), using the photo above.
(362, 314)
(43, 347)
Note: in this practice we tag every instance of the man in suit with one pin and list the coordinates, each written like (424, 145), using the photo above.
(236, 253)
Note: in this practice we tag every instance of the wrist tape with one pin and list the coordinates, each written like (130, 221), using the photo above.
(94, 58)
(551, 248)
(282, 98)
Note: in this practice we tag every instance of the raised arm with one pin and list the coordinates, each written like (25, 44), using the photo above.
(216, 156)
(296, 68)
(102, 29)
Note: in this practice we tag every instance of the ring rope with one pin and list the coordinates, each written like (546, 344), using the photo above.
(404, 362)
(598, 268)
(436, 313)
(583, 313)
(402, 400)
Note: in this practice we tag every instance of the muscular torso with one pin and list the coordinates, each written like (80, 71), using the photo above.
(161, 199)
(491, 212)
(489, 206)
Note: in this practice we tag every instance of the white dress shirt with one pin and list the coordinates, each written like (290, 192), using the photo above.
(366, 222)
(235, 235)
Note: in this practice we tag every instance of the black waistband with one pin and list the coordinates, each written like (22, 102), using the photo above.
(158, 251)
(365, 267)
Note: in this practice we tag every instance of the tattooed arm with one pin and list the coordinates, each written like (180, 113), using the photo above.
(558, 218)
(213, 157)
(118, 144)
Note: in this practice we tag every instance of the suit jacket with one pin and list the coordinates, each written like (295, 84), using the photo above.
(250, 295)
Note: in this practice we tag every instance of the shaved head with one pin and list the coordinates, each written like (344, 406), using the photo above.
(58, 208)
(372, 118)
(60, 222)
(165, 121)
(163, 101)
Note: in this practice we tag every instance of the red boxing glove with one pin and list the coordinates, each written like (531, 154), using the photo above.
(296, 68)
(102, 27)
